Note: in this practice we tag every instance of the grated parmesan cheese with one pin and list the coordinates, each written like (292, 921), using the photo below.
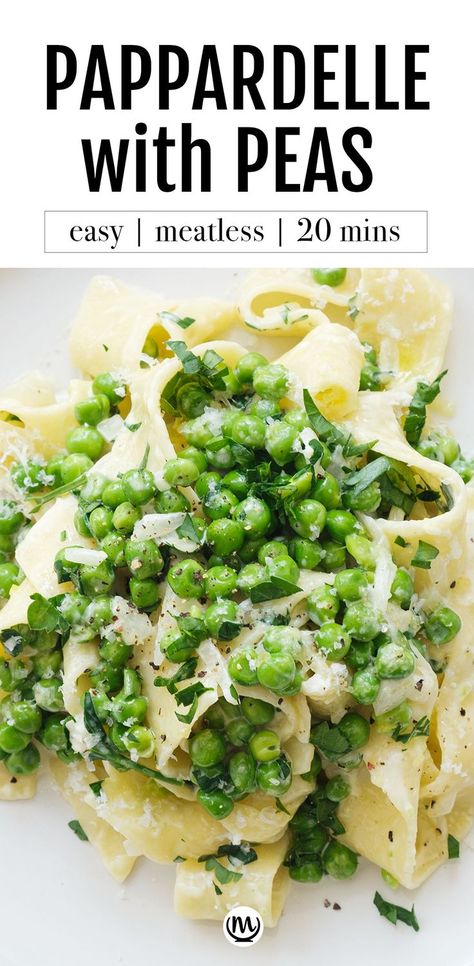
(83, 555)
(110, 428)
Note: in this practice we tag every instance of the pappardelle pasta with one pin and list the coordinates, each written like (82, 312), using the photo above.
(237, 582)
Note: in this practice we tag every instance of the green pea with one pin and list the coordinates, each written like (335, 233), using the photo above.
(449, 448)
(187, 578)
(30, 477)
(327, 491)
(26, 717)
(323, 604)
(221, 454)
(264, 408)
(238, 732)
(140, 740)
(365, 685)
(307, 518)
(106, 677)
(139, 486)
(177, 647)
(74, 466)
(73, 607)
(265, 745)
(97, 580)
(180, 472)
(351, 584)
(334, 556)
(402, 588)
(145, 593)
(250, 550)
(280, 440)
(53, 468)
(7, 543)
(442, 625)
(242, 772)
(237, 482)
(333, 641)
(200, 431)
(430, 449)
(367, 501)
(339, 861)
(271, 381)
(247, 365)
(309, 870)
(465, 469)
(143, 558)
(306, 553)
(9, 575)
(113, 544)
(274, 777)
(217, 803)
(220, 582)
(360, 654)
(207, 484)
(251, 575)
(81, 523)
(196, 456)
(285, 568)
(131, 684)
(100, 522)
(11, 517)
(48, 694)
(111, 386)
(54, 734)
(242, 667)
(276, 671)
(355, 729)
(387, 722)
(225, 536)
(297, 418)
(249, 431)
(93, 489)
(11, 738)
(257, 712)
(362, 550)
(171, 501)
(45, 640)
(92, 410)
(192, 400)
(113, 494)
(395, 659)
(85, 440)
(219, 613)
(254, 515)
(125, 516)
(362, 621)
(219, 503)
(278, 639)
(329, 276)
(115, 652)
(24, 761)
(130, 710)
(46, 665)
(315, 839)
(337, 789)
(339, 524)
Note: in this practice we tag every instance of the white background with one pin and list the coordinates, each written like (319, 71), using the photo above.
(420, 159)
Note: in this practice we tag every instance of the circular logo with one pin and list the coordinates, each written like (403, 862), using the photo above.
(243, 926)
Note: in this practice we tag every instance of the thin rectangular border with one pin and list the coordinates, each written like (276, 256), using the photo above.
(224, 211)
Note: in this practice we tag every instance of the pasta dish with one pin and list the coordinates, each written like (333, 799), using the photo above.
(237, 577)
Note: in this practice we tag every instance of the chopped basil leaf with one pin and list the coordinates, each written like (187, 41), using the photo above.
(78, 830)
(453, 847)
(228, 630)
(189, 531)
(359, 480)
(421, 729)
(352, 308)
(325, 430)
(273, 589)
(185, 671)
(396, 913)
(172, 317)
(179, 858)
(44, 616)
(401, 542)
(133, 427)
(415, 419)
(223, 875)
(280, 806)
(189, 697)
(424, 555)
(448, 495)
(96, 788)
(193, 628)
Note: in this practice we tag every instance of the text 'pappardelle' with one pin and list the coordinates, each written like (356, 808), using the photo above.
(237, 570)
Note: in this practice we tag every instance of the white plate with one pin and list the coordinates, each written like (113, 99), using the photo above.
(58, 904)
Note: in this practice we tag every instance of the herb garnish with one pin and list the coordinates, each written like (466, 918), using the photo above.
(415, 419)
(424, 555)
(453, 847)
(78, 830)
(396, 913)
(421, 729)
